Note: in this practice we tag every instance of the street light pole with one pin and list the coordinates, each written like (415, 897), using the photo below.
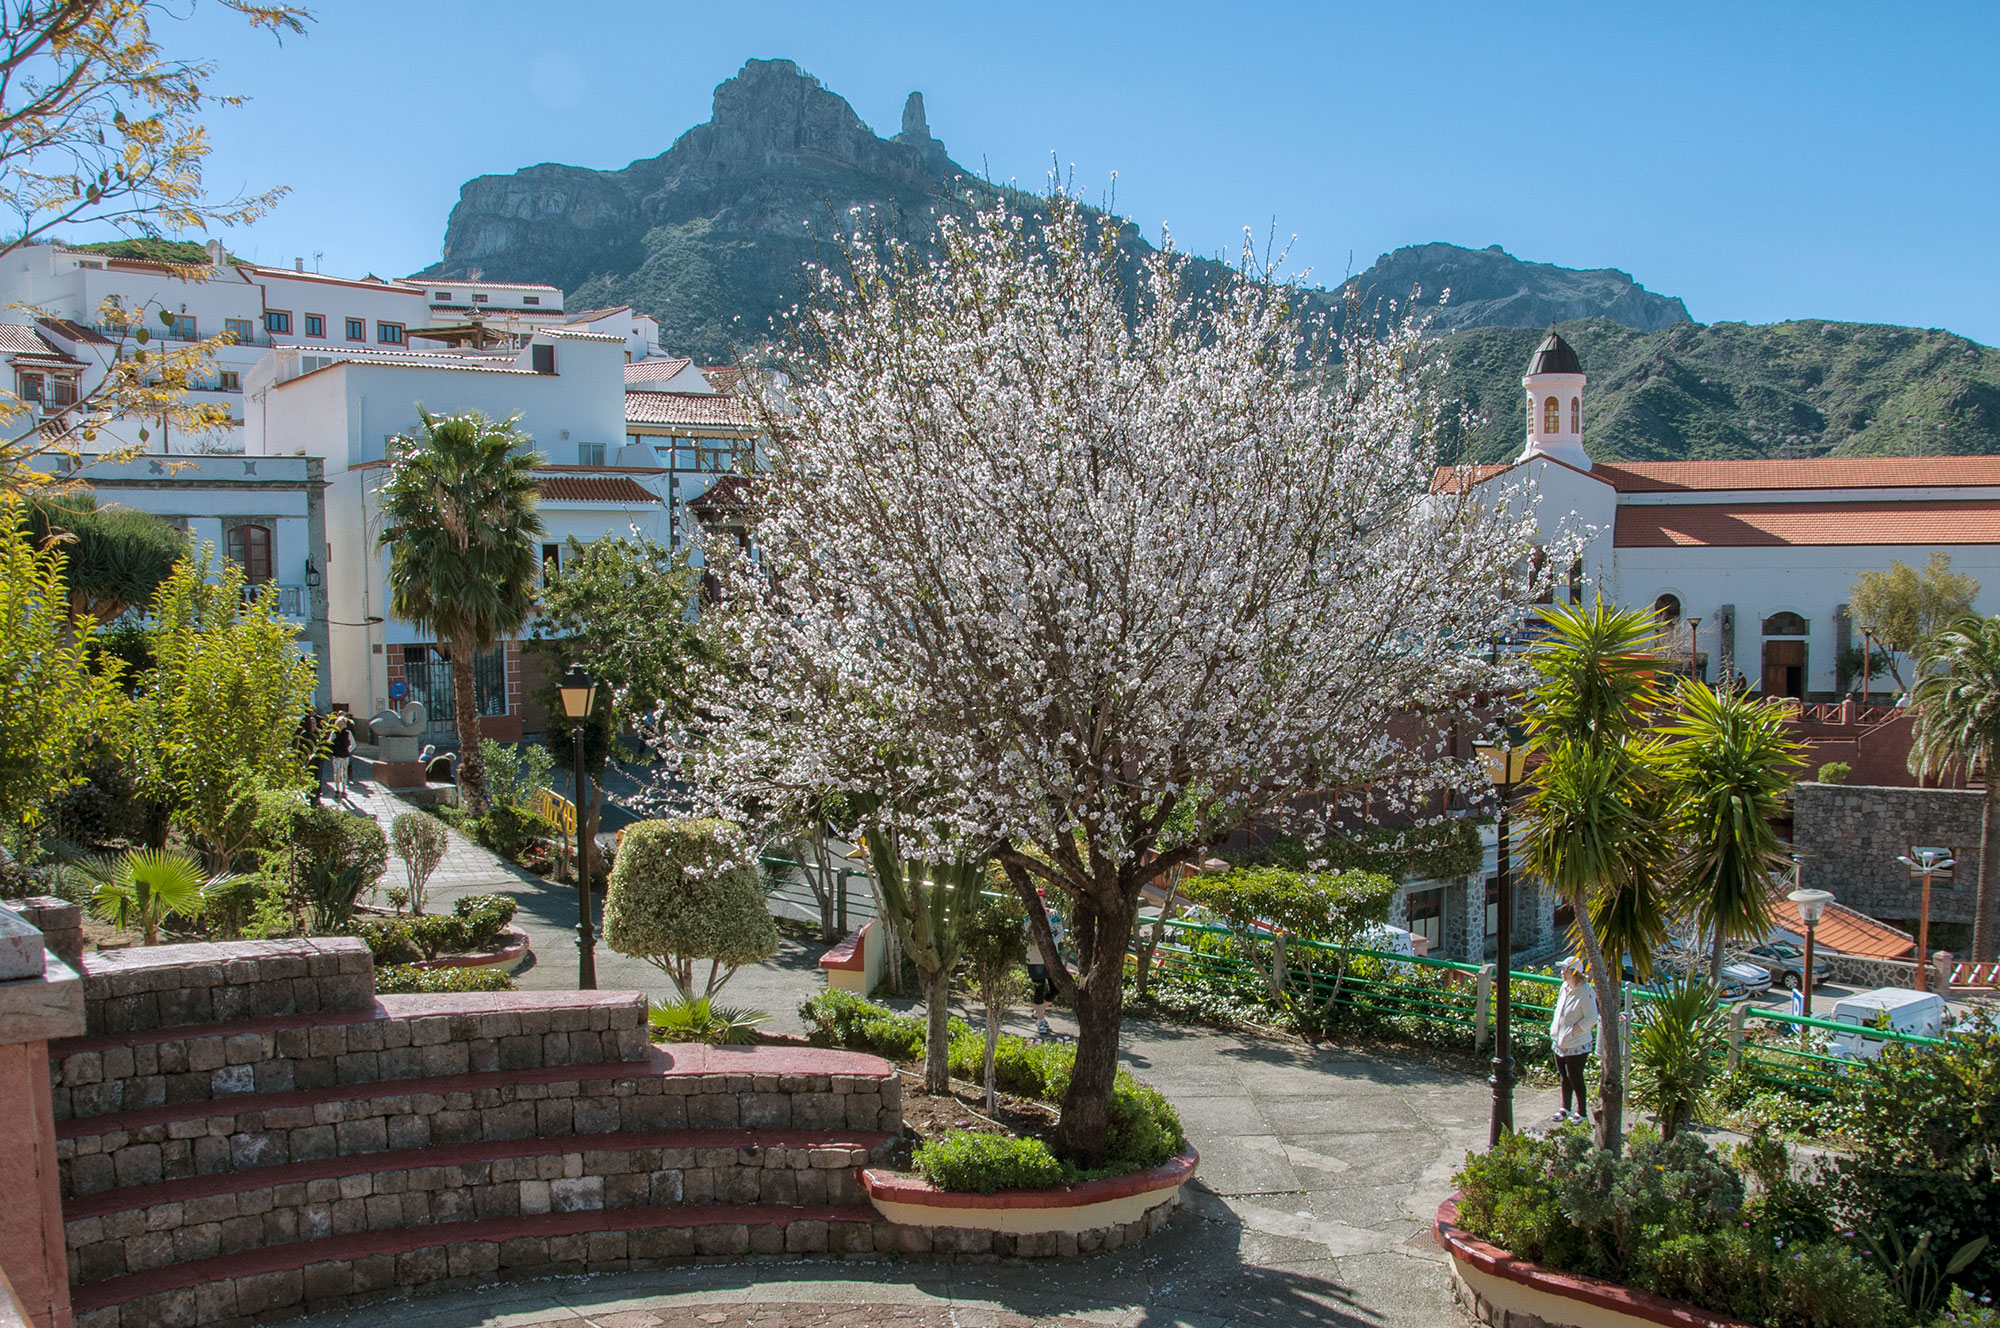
(578, 692)
(1694, 650)
(1503, 763)
(1929, 861)
(1812, 903)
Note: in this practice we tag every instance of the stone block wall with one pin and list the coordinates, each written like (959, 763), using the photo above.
(401, 1037)
(1849, 836)
(59, 921)
(161, 986)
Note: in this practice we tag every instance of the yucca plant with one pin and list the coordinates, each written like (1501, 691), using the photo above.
(145, 887)
(700, 1020)
(1730, 759)
(1675, 1049)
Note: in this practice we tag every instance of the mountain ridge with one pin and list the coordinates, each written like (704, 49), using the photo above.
(710, 237)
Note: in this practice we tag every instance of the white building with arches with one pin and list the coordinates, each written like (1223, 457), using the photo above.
(1753, 560)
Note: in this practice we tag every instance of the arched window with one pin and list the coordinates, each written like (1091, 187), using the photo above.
(1784, 624)
(250, 549)
(1552, 416)
(1576, 415)
(1667, 608)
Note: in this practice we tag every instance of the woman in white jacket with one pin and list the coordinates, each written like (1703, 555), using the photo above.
(1573, 1031)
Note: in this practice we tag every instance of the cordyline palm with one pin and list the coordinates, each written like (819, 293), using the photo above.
(1956, 705)
(1729, 759)
(1595, 829)
(461, 537)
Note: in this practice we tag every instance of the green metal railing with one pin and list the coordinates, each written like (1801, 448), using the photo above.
(1772, 1047)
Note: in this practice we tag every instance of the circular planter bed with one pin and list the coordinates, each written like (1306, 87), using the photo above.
(1096, 1205)
(513, 945)
(1497, 1288)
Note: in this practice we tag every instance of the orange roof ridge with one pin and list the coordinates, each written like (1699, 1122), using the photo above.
(1846, 930)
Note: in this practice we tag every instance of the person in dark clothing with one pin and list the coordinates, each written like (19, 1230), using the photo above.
(342, 750)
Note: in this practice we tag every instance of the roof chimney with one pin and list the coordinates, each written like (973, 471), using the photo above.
(298, 265)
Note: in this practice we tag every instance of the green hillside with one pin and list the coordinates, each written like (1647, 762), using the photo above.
(1733, 390)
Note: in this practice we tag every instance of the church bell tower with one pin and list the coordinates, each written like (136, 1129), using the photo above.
(1554, 384)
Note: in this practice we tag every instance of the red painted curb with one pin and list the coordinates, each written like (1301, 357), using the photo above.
(1467, 1248)
(892, 1188)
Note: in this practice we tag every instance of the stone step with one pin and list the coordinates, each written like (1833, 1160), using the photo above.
(135, 1228)
(395, 1037)
(674, 1088)
(336, 1271)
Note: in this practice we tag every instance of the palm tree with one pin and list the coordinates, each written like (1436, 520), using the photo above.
(1956, 704)
(461, 532)
(1594, 829)
(1730, 759)
(145, 887)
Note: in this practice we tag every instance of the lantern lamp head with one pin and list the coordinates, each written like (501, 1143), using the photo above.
(578, 692)
(1812, 905)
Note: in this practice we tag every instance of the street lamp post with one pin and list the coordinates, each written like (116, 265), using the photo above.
(1929, 861)
(1694, 650)
(1812, 903)
(578, 692)
(1503, 761)
(1867, 649)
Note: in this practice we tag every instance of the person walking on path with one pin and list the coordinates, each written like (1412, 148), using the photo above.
(1573, 1031)
(1038, 974)
(342, 751)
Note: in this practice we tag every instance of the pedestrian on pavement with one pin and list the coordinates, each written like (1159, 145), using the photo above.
(1573, 1032)
(1038, 972)
(308, 743)
(342, 749)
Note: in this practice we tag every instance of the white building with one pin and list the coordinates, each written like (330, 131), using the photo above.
(349, 407)
(85, 304)
(1752, 560)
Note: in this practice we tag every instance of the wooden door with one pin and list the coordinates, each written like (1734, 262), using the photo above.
(1785, 668)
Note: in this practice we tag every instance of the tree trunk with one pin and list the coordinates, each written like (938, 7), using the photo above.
(937, 1033)
(1609, 1132)
(1715, 959)
(992, 1043)
(465, 701)
(1988, 893)
(1099, 1002)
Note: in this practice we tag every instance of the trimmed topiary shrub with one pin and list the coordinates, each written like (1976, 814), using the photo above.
(1834, 772)
(968, 1163)
(684, 892)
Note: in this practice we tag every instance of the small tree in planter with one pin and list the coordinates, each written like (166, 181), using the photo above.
(995, 941)
(928, 904)
(421, 841)
(687, 891)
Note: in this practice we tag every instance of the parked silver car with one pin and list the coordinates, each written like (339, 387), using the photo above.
(1786, 963)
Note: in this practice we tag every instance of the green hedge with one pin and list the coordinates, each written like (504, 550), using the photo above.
(403, 980)
(473, 925)
(968, 1163)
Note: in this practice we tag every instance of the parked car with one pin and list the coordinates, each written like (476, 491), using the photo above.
(1786, 963)
(1895, 1008)
(1738, 980)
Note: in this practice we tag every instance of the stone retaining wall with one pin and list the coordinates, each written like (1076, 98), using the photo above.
(162, 986)
(1851, 834)
(402, 1037)
(461, 1261)
(59, 921)
(405, 1190)
(430, 1112)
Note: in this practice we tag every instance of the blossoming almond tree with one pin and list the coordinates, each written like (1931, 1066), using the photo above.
(1084, 574)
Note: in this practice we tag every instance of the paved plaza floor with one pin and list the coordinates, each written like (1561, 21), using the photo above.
(1320, 1172)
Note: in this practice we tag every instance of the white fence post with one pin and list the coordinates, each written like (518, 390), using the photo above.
(1482, 1014)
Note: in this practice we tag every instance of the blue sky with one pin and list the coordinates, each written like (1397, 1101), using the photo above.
(1761, 160)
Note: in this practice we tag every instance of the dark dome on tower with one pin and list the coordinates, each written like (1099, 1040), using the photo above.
(1554, 356)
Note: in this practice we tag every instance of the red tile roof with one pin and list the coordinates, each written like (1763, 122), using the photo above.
(690, 409)
(656, 369)
(1748, 525)
(594, 489)
(592, 315)
(726, 495)
(1846, 930)
(17, 339)
(1457, 479)
(1814, 473)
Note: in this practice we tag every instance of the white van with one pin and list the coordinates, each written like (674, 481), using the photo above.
(1918, 1012)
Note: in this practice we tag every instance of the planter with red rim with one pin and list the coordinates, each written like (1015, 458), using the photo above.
(1095, 1205)
(1495, 1287)
(513, 943)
